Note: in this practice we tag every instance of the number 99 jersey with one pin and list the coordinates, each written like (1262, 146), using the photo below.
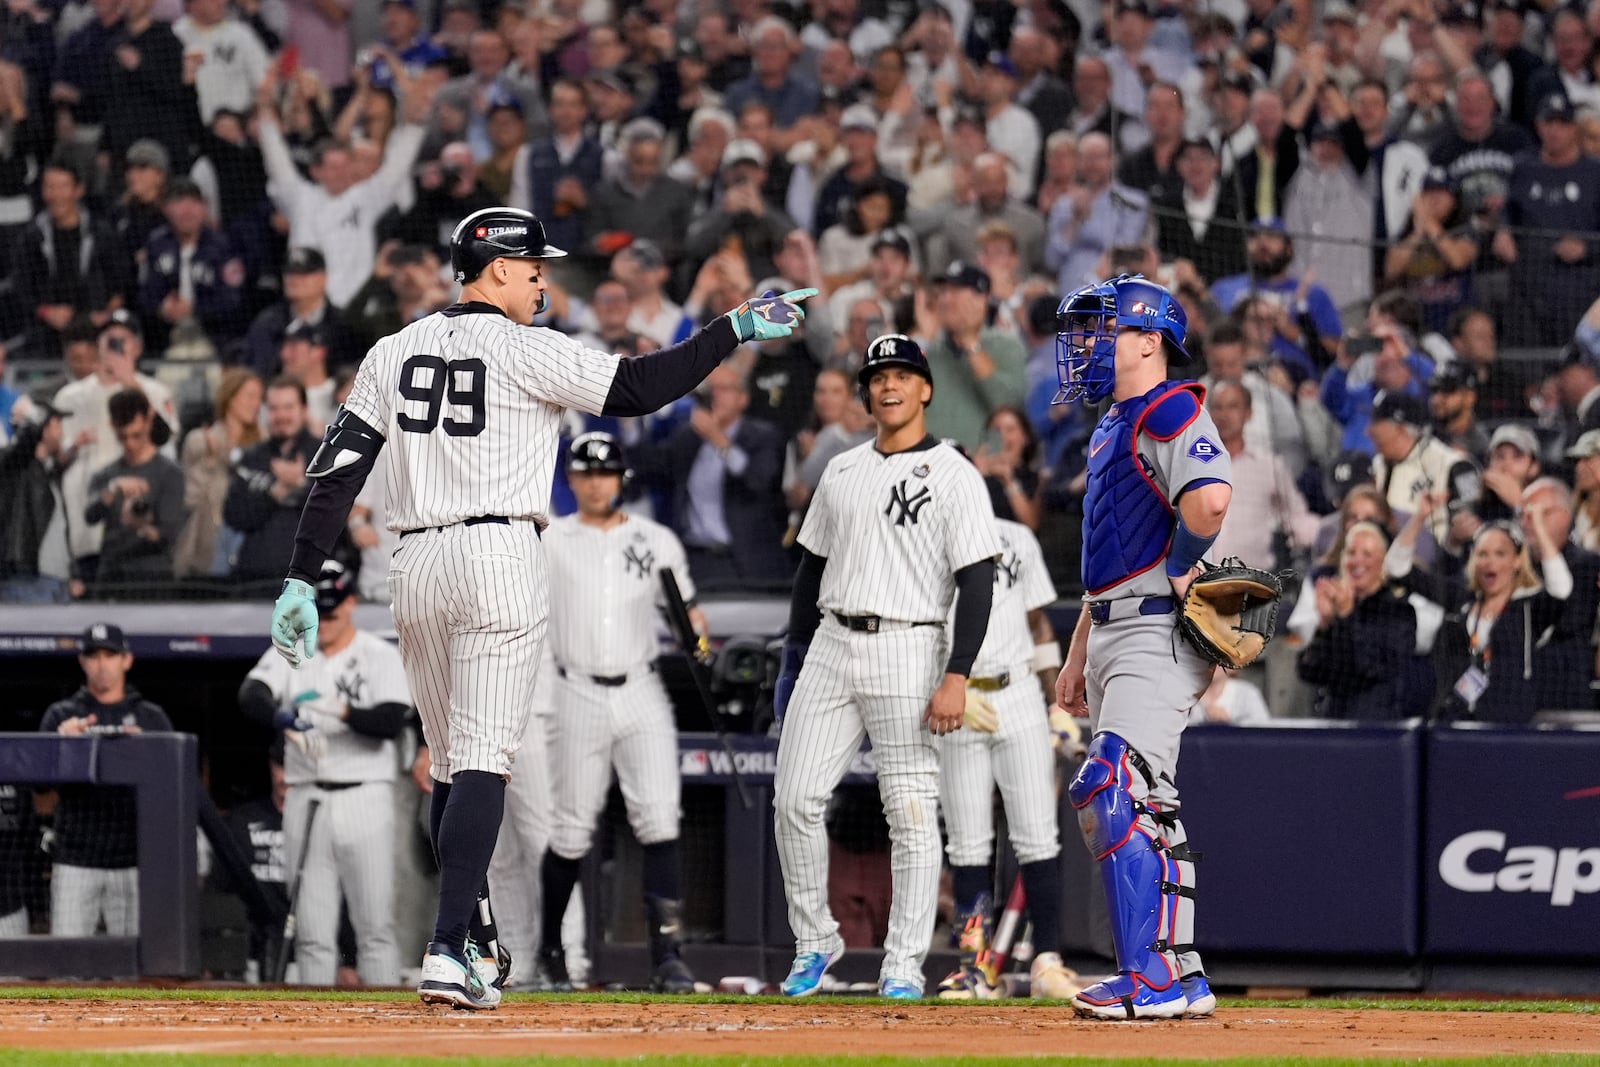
(470, 404)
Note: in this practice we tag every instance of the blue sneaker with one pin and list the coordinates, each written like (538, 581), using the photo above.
(899, 989)
(1197, 991)
(1129, 996)
(805, 977)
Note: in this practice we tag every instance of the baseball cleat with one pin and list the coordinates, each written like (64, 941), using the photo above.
(550, 972)
(1125, 996)
(673, 976)
(448, 979)
(969, 982)
(1197, 991)
(899, 989)
(805, 977)
(1052, 979)
(496, 972)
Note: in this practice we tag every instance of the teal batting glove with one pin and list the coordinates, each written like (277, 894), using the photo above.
(294, 622)
(769, 316)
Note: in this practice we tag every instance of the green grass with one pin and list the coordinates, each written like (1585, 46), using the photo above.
(400, 996)
(133, 1059)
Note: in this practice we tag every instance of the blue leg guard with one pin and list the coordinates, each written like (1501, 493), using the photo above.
(1125, 840)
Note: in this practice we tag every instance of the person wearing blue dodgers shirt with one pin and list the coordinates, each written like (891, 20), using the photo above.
(1157, 492)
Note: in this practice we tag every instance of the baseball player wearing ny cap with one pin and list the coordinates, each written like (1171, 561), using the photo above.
(340, 714)
(611, 709)
(95, 874)
(470, 402)
(1157, 492)
(900, 529)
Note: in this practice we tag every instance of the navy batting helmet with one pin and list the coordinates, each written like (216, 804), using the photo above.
(596, 453)
(891, 350)
(337, 584)
(497, 233)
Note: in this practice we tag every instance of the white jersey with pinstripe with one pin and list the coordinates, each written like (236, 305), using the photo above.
(351, 851)
(894, 530)
(1018, 756)
(611, 709)
(470, 406)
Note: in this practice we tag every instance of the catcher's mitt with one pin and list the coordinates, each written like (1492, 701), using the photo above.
(1229, 613)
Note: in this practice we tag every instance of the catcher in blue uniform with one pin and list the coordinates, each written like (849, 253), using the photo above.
(1158, 488)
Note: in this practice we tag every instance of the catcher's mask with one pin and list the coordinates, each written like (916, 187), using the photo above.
(1090, 320)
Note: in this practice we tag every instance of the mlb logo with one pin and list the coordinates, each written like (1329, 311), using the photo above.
(481, 232)
(694, 763)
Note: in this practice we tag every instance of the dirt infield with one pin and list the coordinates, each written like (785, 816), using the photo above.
(817, 1028)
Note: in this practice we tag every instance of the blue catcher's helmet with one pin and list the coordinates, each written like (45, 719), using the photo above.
(1090, 320)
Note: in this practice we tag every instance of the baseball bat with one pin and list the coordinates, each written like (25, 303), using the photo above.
(689, 643)
(280, 966)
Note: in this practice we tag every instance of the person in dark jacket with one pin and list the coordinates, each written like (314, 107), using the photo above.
(725, 473)
(269, 486)
(305, 303)
(67, 262)
(1360, 656)
(562, 170)
(139, 497)
(95, 875)
(1564, 664)
(30, 480)
(146, 92)
(1498, 617)
(189, 273)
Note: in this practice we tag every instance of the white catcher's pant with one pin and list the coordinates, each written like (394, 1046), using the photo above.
(514, 884)
(80, 896)
(629, 727)
(875, 685)
(470, 606)
(1019, 758)
(351, 853)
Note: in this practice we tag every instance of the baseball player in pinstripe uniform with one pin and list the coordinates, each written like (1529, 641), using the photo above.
(1157, 492)
(899, 527)
(1008, 742)
(340, 715)
(470, 401)
(611, 708)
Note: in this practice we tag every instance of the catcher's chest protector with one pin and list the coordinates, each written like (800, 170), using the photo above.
(1127, 522)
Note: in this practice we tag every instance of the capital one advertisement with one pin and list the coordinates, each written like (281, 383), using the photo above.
(1512, 843)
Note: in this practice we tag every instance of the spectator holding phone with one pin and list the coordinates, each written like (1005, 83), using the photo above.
(139, 498)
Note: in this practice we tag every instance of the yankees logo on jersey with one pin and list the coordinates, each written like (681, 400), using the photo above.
(470, 405)
(365, 673)
(897, 561)
(603, 590)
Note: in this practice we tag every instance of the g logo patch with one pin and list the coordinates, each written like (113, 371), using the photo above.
(1204, 450)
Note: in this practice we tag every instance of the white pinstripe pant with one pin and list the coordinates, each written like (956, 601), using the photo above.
(470, 606)
(14, 924)
(79, 896)
(1018, 758)
(351, 853)
(853, 685)
(524, 835)
(629, 727)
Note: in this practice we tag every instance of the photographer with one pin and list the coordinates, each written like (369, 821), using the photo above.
(742, 219)
(139, 497)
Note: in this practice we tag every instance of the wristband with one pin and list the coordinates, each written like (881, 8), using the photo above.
(1046, 655)
(1186, 549)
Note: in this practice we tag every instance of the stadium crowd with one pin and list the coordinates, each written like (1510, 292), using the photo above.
(1384, 221)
